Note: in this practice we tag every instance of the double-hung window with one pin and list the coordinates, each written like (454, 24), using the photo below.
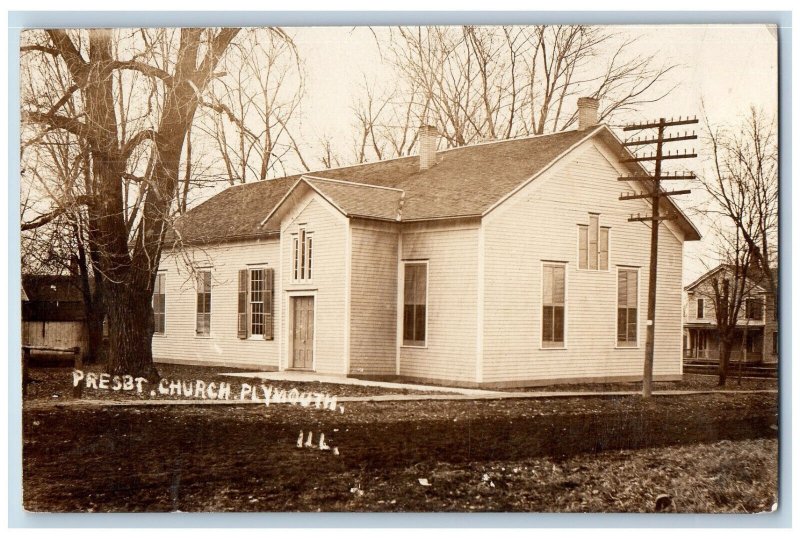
(256, 305)
(415, 303)
(159, 304)
(203, 326)
(593, 244)
(553, 305)
(627, 306)
(754, 309)
(302, 255)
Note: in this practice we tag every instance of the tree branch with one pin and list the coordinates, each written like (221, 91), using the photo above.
(145, 69)
(138, 138)
(57, 121)
(66, 48)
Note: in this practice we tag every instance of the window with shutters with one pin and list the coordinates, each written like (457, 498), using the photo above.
(256, 303)
(701, 311)
(415, 303)
(160, 304)
(553, 305)
(593, 244)
(627, 307)
(302, 255)
(203, 326)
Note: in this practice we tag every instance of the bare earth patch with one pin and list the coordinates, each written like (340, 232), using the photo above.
(244, 458)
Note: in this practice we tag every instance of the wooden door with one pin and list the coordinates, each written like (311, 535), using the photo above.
(303, 332)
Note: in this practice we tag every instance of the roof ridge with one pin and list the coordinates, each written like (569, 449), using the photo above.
(348, 182)
(513, 139)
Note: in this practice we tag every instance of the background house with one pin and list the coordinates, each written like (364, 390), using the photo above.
(756, 334)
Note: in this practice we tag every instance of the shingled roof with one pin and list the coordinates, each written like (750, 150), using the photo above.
(465, 182)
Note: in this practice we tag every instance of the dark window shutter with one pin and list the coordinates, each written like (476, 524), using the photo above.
(242, 326)
(269, 303)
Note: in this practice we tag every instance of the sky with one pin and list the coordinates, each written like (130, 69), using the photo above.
(724, 70)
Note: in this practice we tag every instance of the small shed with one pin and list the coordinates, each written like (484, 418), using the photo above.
(53, 312)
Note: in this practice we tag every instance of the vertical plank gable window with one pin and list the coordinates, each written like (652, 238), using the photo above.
(159, 304)
(627, 307)
(553, 303)
(302, 255)
(701, 308)
(203, 326)
(593, 245)
(415, 300)
(256, 304)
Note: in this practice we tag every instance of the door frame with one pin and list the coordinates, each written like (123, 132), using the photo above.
(290, 330)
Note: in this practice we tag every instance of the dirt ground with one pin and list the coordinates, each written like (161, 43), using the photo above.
(244, 458)
(55, 384)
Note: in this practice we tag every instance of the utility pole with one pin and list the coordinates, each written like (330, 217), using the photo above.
(652, 190)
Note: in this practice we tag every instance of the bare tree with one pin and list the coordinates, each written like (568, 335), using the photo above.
(476, 83)
(134, 143)
(744, 187)
(55, 181)
(254, 108)
(727, 290)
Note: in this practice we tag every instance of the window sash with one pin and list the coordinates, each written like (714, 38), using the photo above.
(309, 241)
(203, 324)
(295, 256)
(593, 245)
(594, 221)
(583, 247)
(553, 305)
(256, 301)
(627, 307)
(701, 308)
(602, 262)
(415, 291)
(753, 308)
(159, 305)
(302, 255)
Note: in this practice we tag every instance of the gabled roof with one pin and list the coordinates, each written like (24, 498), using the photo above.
(52, 298)
(754, 287)
(465, 182)
(350, 198)
(52, 287)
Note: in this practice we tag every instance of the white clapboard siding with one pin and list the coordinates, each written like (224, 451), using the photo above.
(373, 299)
(452, 258)
(540, 223)
(329, 230)
(180, 343)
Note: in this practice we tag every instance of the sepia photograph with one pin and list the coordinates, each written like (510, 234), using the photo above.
(460, 268)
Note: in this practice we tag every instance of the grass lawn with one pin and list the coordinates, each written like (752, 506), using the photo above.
(713, 452)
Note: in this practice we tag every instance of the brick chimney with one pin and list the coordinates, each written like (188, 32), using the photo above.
(428, 140)
(587, 112)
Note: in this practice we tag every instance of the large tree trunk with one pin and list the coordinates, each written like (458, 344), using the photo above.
(724, 361)
(130, 317)
(94, 326)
